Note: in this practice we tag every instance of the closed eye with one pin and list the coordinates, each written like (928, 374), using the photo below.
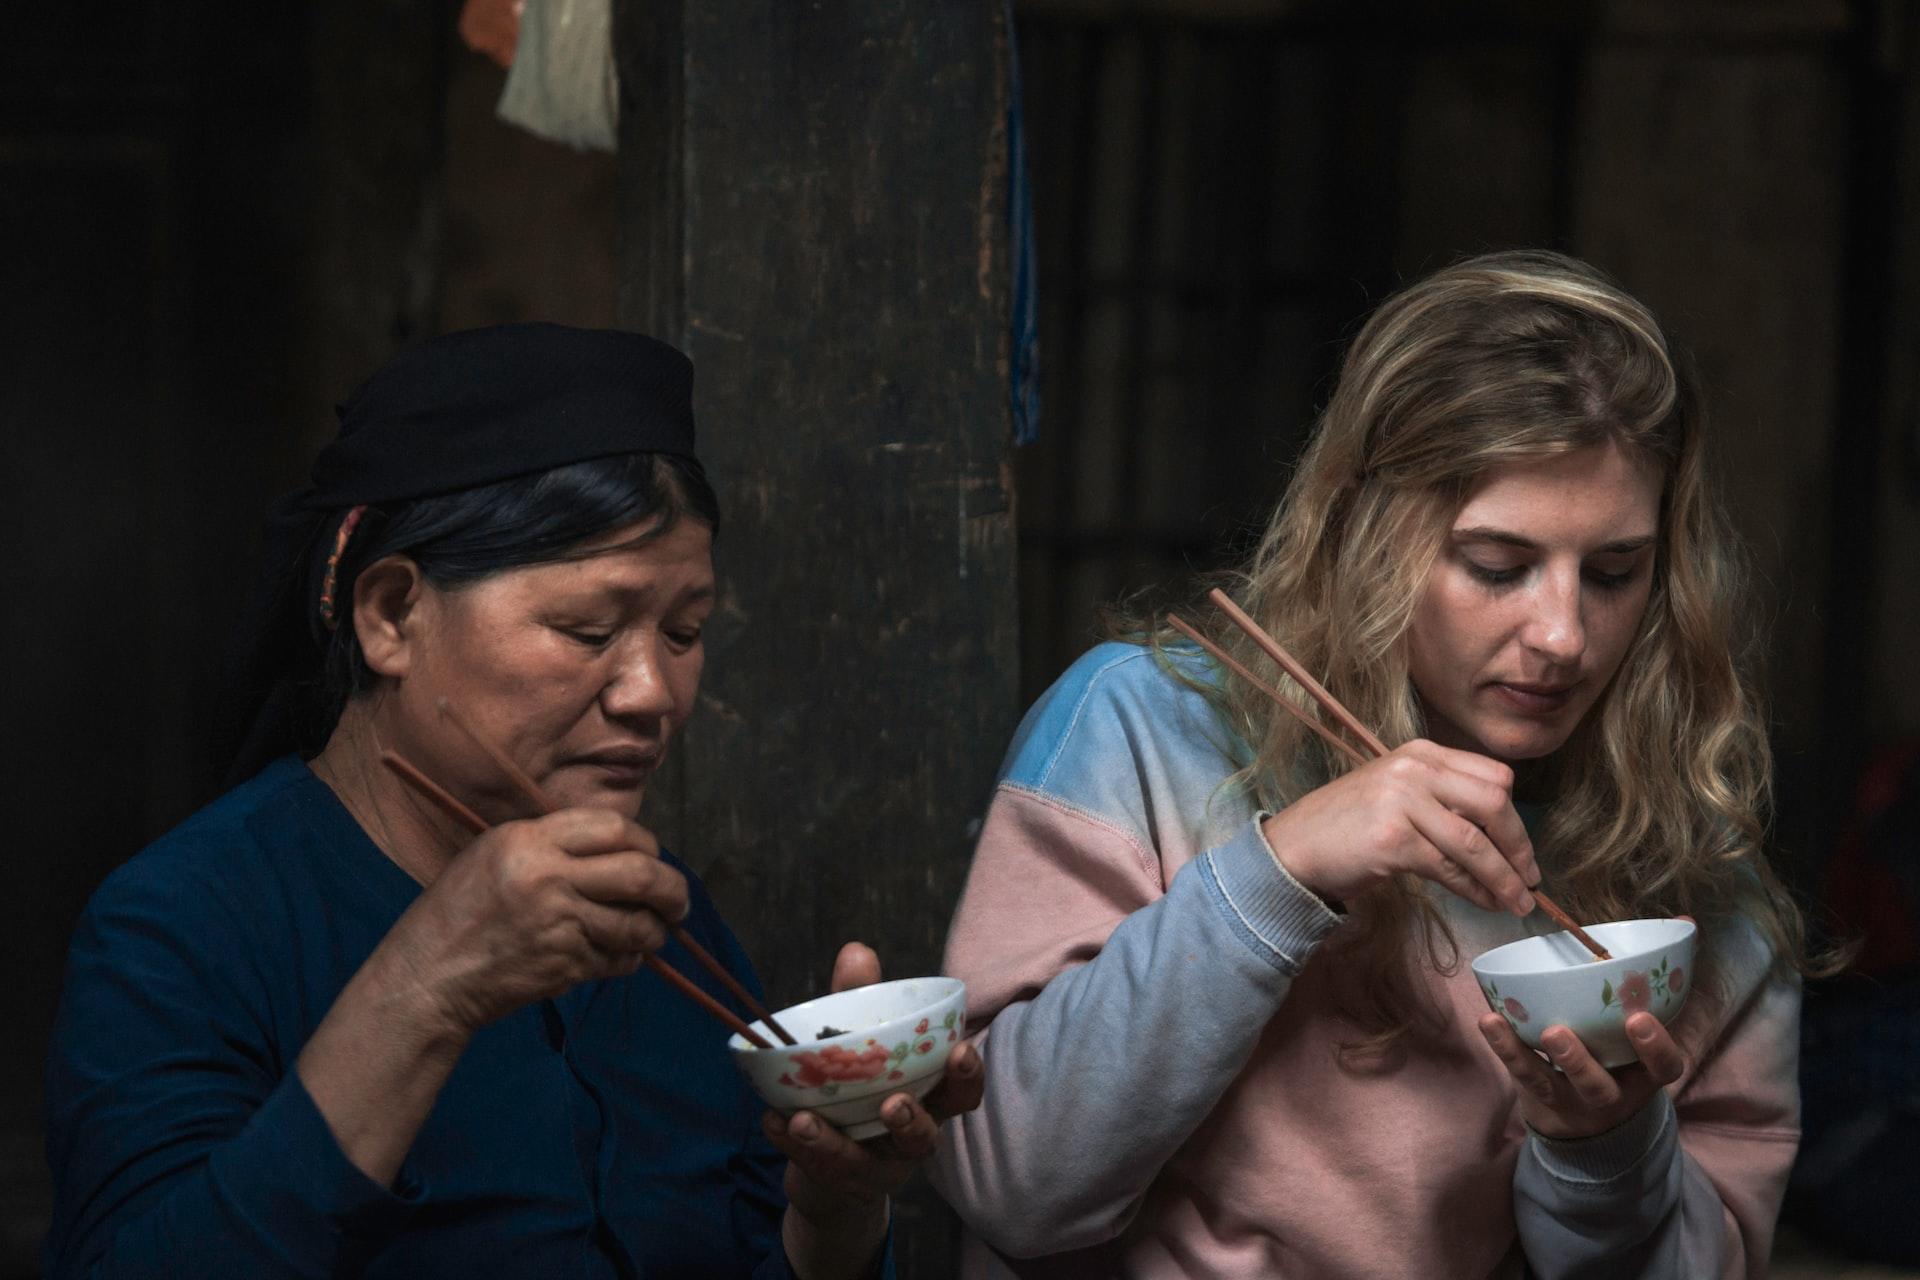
(586, 636)
(1496, 577)
(1611, 581)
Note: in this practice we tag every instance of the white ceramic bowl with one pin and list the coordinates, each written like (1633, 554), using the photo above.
(1553, 981)
(895, 1039)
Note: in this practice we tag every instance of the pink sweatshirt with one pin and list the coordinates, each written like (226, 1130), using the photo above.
(1163, 1097)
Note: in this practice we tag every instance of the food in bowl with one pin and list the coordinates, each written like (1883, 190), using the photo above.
(903, 1031)
(1553, 981)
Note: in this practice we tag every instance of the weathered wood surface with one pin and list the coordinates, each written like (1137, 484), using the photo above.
(1710, 183)
(813, 205)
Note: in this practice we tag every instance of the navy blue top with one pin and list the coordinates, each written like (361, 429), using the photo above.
(606, 1133)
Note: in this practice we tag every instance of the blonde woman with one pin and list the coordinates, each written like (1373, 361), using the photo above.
(1230, 1027)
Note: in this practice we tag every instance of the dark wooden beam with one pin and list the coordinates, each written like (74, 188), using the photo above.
(813, 205)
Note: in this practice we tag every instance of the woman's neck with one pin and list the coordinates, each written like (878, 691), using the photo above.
(416, 836)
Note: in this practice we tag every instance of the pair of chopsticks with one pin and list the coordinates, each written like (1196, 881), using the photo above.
(473, 822)
(1333, 707)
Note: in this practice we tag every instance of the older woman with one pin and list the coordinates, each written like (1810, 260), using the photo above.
(320, 1030)
(1222, 970)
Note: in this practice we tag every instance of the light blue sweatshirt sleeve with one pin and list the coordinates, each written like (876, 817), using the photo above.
(1085, 1111)
(1087, 1100)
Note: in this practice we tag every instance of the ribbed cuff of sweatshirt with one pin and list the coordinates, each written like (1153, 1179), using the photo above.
(1276, 915)
(294, 1186)
(1624, 1151)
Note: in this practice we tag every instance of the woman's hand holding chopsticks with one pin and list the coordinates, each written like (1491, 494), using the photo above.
(1423, 809)
(526, 911)
(531, 909)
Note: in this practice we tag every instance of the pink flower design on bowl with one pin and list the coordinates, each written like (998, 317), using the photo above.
(1676, 980)
(836, 1064)
(1515, 1010)
(1636, 992)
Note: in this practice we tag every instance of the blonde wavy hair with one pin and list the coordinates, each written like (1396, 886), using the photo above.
(1657, 804)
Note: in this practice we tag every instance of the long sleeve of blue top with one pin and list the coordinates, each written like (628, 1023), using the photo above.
(605, 1133)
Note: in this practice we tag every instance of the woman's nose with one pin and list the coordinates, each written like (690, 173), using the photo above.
(1556, 630)
(639, 686)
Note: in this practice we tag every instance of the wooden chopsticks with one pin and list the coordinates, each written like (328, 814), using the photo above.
(438, 795)
(1287, 704)
(1374, 748)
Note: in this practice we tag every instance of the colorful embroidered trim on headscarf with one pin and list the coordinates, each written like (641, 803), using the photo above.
(327, 584)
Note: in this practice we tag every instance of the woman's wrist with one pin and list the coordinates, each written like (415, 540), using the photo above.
(376, 1062)
(844, 1243)
(1600, 1154)
(405, 984)
(1292, 860)
(389, 1001)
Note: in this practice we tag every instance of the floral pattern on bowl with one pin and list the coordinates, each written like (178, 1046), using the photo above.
(1507, 1007)
(1638, 990)
(828, 1068)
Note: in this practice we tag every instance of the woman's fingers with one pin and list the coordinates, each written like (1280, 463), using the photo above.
(1657, 1049)
(830, 1158)
(857, 965)
(874, 1167)
(961, 1089)
(911, 1129)
(1583, 1098)
(619, 933)
(584, 831)
(1595, 1086)
(1481, 791)
(1444, 871)
(1523, 1064)
(630, 879)
(1463, 844)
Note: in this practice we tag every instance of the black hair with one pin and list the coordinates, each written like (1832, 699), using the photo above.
(459, 538)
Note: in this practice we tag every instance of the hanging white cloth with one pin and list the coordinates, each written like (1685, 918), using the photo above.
(562, 85)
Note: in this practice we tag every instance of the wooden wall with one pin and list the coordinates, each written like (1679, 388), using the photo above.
(813, 206)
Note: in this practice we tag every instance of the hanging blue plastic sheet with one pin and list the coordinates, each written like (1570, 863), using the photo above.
(1025, 303)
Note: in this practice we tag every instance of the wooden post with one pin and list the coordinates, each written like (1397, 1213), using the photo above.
(813, 207)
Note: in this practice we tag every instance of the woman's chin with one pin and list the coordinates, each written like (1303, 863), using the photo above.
(620, 795)
(1515, 743)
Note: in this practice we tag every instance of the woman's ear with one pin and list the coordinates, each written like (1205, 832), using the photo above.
(386, 617)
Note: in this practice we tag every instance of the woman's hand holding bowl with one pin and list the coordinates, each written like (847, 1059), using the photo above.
(838, 1188)
(533, 908)
(1583, 1098)
(1422, 808)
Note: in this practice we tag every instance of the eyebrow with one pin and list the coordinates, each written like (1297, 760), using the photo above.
(1482, 533)
(643, 591)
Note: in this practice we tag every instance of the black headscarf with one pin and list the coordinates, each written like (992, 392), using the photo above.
(455, 412)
